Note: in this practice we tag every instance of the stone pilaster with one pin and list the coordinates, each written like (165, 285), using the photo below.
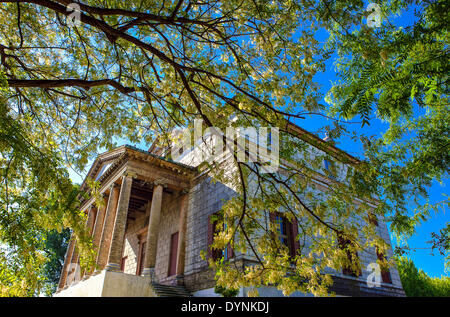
(92, 215)
(67, 261)
(153, 231)
(115, 251)
(110, 216)
(72, 270)
(91, 219)
(98, 226)
(182, 236)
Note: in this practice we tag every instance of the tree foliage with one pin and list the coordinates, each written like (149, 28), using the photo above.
(36, 196)
(399, 74)
(55, 250)
(441, 242)
(138, 69)
(416, 283)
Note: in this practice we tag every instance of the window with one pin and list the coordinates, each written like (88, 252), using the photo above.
(330, 168)
(286, 231)
(385, 274)
(102, 170)
(283, 235)
(373, 219)
(352, 256)
(213, 228)
(173, 254)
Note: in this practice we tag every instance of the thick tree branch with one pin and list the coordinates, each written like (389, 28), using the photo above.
(86, 84)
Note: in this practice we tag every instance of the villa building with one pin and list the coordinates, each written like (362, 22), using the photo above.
(156, 221)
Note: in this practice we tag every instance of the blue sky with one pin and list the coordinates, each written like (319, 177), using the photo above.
(433, 265)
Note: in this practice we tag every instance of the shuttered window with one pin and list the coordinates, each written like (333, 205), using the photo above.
(385, 274)
(213, 228)
(287, 231)
(330, 168)
(373, 219)
(173, 254)
(352, 256)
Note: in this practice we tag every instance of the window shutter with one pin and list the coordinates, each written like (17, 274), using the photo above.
(273, 221)
(210, 237)
(343, 244)
(122, 263)
(385, 274)
(373, 219)
(272, 217)
(386, 277)
(293, 237)
(230, 251)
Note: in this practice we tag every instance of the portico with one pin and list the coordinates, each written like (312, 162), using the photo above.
(143, 194)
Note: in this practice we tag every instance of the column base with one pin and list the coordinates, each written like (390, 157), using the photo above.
(149, 272)
(97, 271)
(113, 267)
(179, 279)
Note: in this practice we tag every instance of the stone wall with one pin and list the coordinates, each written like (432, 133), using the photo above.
(170, 219)
(348, 286)
(205, 199)
(131, 244)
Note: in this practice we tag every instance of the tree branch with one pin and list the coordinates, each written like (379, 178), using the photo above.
(86, 84)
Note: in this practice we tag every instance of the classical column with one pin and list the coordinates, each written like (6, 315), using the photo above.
(115, 251)
(92, 215)
(153, 231)
(98, 226)
(72, 269)
(67, 260)
(77, 269)
(91, 219)
(182, 237)
(110, 216)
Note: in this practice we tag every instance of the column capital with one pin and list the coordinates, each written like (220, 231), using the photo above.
(114, 185)
(160, 182)
(128, 173)
(149, 272)
(113, 267)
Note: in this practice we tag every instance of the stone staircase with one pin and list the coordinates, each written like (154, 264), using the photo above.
(170, 290)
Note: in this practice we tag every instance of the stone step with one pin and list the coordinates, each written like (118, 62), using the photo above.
(170, 290)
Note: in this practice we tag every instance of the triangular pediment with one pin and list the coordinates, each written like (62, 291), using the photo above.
(103, 162)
